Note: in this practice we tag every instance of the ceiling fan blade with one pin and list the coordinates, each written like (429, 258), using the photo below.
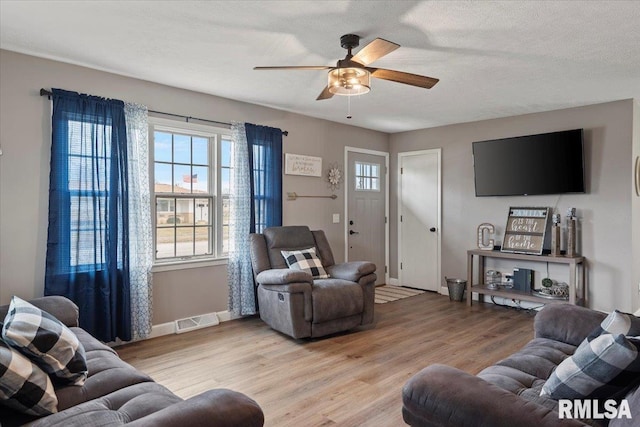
(402, 77)
(325, 94)
(295, 67)
(374, 51)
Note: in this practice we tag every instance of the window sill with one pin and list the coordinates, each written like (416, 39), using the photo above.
(187, 264)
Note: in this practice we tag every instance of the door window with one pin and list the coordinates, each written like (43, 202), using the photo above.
(367, 176)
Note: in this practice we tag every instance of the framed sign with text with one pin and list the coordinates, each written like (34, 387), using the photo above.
(296, 164)
(525, 230)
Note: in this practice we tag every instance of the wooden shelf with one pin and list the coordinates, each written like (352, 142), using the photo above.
(575, 265)
(527, 257)
(515, 294)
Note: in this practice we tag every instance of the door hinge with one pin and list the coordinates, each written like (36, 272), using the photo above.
(400, 218)
(400, 266)
(385, 219)
(401, 171)
(385, 268)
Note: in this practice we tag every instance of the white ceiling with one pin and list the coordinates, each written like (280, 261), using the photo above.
(493, 59)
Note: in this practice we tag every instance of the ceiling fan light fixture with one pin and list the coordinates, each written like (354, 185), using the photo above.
(349, 81)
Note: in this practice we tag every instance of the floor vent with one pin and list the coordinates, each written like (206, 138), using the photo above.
(196, 322)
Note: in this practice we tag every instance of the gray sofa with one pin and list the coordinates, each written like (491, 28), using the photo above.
(508, 393)
(292, 302)
(115, 393)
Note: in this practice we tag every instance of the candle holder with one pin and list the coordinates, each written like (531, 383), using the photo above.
(571, 232)
(555, 236)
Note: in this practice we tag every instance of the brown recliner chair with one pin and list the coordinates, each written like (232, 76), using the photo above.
(293, 302)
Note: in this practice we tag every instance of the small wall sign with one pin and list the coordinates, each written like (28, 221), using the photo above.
(525, 230)
(296, 164)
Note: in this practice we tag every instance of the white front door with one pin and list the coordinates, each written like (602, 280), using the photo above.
(366, 210)
(419, 219)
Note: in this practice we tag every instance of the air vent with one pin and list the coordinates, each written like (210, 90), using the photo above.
(196, 322)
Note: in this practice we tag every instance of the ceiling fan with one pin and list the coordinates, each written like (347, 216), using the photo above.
(351, 75)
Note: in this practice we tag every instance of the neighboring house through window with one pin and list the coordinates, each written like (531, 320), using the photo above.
(191, 173)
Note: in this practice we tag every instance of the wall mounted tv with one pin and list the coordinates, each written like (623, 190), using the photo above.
(549, 163)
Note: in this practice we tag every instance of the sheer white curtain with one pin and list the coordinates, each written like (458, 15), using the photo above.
(240, 274)
(140, 229)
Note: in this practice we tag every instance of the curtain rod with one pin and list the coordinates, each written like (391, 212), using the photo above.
(44, 92)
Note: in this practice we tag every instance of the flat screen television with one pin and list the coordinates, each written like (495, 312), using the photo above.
(548, 163)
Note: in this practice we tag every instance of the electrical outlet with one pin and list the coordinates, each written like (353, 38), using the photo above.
(336, 218)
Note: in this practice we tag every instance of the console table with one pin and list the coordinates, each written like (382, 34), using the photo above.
(574, 263)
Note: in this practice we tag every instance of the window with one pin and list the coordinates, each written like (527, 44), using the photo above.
(191, 184)
(367, 176)
(165, 206)
(89, 169)
(226, 150)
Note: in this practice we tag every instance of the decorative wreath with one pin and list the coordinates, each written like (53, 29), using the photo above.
(334, 176)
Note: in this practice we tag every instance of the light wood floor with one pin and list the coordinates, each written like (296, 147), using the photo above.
(352, 379)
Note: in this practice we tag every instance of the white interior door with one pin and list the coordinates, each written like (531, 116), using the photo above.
(419, 219)
(367, 209)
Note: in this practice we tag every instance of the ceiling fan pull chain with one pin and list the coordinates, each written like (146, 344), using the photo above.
(348, 107)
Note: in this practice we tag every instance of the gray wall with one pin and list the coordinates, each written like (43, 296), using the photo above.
(24, 173)
(605, 211)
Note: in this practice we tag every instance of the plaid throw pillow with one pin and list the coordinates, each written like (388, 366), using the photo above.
(305, 260)
(23, 386)
(615, 323)
(605, 365)
(46, 341)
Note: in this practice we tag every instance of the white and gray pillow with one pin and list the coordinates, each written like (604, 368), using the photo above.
(23, 385)
(615, 323)
(306, 260)
(46, 341)
(605, 365)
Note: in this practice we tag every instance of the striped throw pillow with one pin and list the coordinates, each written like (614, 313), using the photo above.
(23, 386)
(45, 341)
(306, 260)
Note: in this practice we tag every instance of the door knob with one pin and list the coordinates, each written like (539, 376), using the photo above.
(351, 222)
(353, 232)
(432, 229)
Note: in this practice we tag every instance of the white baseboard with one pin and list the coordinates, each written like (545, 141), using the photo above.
(396, 282)
(226, 315)
(162, 329)
(169, 328)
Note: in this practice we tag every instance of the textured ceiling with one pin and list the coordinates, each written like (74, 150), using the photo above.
(493, 59)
